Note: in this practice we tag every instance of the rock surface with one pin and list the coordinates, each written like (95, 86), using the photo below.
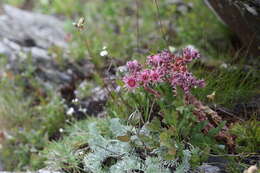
(205, 168)
(31, 29)
(243, 18)
(26, 39)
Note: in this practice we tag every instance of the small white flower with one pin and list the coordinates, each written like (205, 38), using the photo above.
(103, 53)
(224, 65)
(84, 110)
(122, 69)
(70, 111)
(81, 153)
(61, 130)
(75, 100)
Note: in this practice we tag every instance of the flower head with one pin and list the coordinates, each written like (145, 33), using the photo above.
(104, 53)
(186, 81)
(154, 60)
(155, 76)
(70, 111)
(144, 77)
(158, 59)
(133, 66)
(190, 53)
(164, 67)
(130, 82)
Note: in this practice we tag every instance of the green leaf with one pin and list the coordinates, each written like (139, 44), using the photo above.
(166, 138)
(170, 117)
(214, 131)
(181, 109)
(155, 125)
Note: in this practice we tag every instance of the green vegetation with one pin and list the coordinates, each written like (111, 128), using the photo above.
(29, 128)
(248, 139)
(105, 145)
(231, 85)
(136, 123)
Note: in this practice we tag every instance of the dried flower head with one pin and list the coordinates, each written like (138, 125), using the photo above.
(80, 24)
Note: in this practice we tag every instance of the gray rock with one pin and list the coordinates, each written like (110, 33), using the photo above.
(30, 33)
(205, 168)
(96, 102)
(31, 29)
(243, 18)
(25, 39)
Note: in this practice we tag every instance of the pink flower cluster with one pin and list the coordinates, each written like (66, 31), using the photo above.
(164, 67)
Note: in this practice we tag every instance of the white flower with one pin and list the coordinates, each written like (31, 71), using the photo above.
(224, 65)
(70, 111)
(122, 69)
(61, 130)
(75, 100)
(84, 110)
(103, 53)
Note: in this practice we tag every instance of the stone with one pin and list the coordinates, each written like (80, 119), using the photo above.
(29, 33)
(31, 29)
(25, 40)
(95, 103)
(206, 168)
(243, 18)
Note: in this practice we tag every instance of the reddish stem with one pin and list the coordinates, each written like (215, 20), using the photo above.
(152, 91)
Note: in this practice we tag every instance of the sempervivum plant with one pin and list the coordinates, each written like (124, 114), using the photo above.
(172, 69)
(164, 67)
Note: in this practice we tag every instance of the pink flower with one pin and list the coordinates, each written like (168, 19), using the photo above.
(133, 66)
(190, 53)
(155, 76)
(154, 60)
(200, 83)
(158, 59)
(186, 81)
(130, 82)
(144, 76)
(164, 67)
(179, 65)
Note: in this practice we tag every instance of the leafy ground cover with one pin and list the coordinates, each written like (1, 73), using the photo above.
(140, 132)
